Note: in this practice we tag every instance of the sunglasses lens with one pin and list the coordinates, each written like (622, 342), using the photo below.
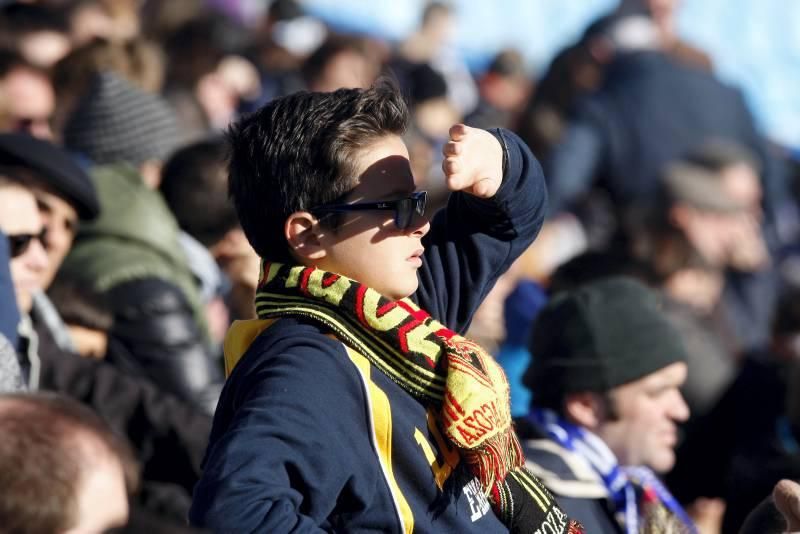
(404, 212)
(18, 244)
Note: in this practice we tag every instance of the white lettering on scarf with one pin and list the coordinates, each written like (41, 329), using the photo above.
(554, 522)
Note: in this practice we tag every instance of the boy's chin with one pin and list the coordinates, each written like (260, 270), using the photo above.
(398, 293)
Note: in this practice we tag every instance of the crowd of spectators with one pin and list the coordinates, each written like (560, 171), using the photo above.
(122, 261)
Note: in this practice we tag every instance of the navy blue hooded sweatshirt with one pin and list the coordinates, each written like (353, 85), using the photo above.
(309, 437)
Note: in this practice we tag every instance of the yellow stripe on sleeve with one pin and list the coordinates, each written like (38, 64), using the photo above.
(381, 412)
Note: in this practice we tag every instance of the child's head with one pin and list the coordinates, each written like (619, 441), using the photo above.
(309, 150)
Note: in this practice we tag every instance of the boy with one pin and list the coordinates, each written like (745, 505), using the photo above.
(348, 408)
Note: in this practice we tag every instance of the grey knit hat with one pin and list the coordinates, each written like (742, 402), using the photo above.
(115, 122)
(601, 335)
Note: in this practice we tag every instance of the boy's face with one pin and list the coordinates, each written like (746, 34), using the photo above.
(367, 246)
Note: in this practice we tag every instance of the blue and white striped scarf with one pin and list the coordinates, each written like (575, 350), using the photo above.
(620, 481)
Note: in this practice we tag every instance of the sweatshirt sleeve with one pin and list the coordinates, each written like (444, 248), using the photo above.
(281, 451)
(473, 241)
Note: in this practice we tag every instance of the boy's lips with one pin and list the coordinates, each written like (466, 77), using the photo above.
(416, 257)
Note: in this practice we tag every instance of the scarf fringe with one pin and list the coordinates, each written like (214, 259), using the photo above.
(492, 462)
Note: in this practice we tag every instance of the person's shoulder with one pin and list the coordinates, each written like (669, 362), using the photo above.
(303, 347)
(562, 471)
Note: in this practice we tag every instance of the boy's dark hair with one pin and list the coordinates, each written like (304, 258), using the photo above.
(42, 460)
(300, 151)
(194, 183)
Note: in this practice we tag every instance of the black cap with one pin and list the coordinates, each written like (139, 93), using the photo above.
(598, 336)
(54, 167)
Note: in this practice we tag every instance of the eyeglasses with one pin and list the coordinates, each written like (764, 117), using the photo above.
(19, 243)
(404, 208)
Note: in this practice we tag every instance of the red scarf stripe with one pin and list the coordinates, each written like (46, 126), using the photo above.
(360, 292)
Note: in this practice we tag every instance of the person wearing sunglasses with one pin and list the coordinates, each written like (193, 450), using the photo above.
(22, 225)
(352, 402)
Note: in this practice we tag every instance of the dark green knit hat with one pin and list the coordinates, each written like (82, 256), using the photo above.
(599, 336)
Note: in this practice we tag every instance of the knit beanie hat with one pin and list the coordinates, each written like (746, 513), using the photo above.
(115, 122)
(598, 336)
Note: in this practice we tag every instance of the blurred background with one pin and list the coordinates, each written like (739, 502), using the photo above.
(668, 130)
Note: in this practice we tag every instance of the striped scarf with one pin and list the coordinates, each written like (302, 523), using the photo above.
(463, 383)
(638, 496)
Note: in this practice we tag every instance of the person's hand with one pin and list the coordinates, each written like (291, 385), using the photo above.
(747, 251)
(473, 161)
(787, 500)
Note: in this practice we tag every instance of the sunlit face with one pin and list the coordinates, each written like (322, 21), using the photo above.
(61, 221)
(644, 431)
(367, 246)
(20, 216)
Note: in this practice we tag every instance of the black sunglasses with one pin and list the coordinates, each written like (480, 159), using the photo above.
(404, 208)
(19, 243)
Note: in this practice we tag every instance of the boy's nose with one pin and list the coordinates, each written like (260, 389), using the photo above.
(420, 226)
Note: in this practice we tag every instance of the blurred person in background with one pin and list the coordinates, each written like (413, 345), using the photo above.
(38, 32)
(649, 110)
(579, 69)
(748, 442)
(340, 62)
(504, 88)
(62, 469)
(117, 20)
(713, 199)
(432, 43)
(138, 60)
(168, 435)
(207, 76)
(21, 222)
(692, 289)
(65, 196)
(195, 187)
(432, 114)
(86, 314)
(132, 255)
(115, 122)
(605, 378)
(133, 252)
(27, 98)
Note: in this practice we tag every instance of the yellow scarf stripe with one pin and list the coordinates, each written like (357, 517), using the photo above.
(380, 358)
(542, 498)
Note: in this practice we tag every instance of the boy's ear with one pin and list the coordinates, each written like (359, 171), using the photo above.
(302, 232)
